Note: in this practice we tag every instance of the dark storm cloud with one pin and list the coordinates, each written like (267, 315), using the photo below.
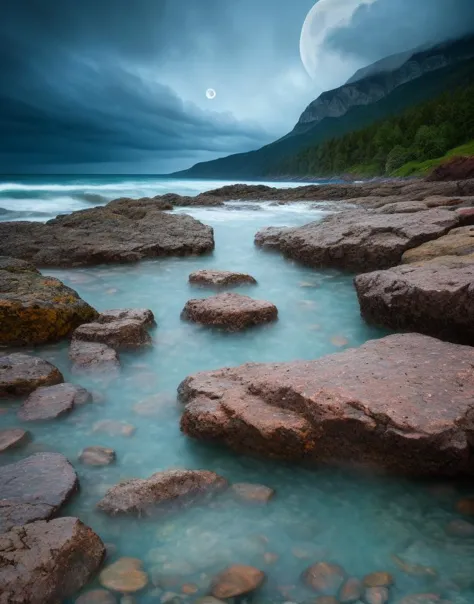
(391, 26)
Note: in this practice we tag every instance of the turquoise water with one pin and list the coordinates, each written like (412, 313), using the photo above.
(358, 521)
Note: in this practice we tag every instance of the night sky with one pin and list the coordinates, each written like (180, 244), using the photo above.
(118, 86)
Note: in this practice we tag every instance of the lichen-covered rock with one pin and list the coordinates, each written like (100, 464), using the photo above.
(92, 357)
(216, 278)
(122, 334)
(143, 315)
(162, 490)
(21, 374)
(435, 298)
(13, 438)
(360, 240)
(402, 403)
(50, 402)
(458, 242)
(230, 311)
(47, 562)
(35, 309)
(237, 580)
(118, 232)
(35, 488)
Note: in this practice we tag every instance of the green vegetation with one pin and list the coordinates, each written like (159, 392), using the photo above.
(408, 144)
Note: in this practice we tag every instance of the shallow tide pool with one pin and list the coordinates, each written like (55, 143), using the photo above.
(358, 521)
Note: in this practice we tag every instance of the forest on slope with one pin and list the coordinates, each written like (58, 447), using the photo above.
(410, 143)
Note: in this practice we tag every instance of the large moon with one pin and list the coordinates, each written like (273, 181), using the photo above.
(325, 65)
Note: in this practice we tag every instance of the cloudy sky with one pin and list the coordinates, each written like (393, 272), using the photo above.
(118, 86)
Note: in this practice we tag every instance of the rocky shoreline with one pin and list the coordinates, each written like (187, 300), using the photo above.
(401, 404)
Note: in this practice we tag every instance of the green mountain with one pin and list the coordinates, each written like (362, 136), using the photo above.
(374, 93)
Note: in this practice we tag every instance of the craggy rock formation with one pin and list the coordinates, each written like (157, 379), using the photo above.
(13, 438)
(91, 357)
(162, 490)
(123, 334)
(36, 309)
(435, 298)
(215, 278)
(34, 488)
(458, 242)
(143, 315)
(457, 168)
(21, 374)
(50, 402)
(47, 561)
(360, 240)
(117, 232)
(230, 311)
(402, 403)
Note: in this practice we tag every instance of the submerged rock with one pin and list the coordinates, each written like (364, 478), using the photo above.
(236, 580)
(47, 561)
(324, 577)
(125, 576)
(21, 374)
(13, 438)
(50, 402)
(351, 591)
(143, 315)
(360, 240)
(378, 579)
(92, 357)
(96, 596)
(167, 489)
(114, 427)
(460, 528)
(252, 493)
(35, 309)
(123, 334)
(230, 311)
(116, 232)
(97, 456)
(402, 403)
(458, 242)
(220, 278)
(376, 595)
(35, 488)
(435, 298)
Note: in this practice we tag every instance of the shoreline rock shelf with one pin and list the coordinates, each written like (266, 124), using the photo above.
(402, 403)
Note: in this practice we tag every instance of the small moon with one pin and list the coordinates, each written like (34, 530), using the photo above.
(324, 64)
(211, 93)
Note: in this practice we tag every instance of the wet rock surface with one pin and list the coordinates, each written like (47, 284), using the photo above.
(401, 403)
(92, 357)
(163, 490)
(143, 315)
(458, 242)
(214, 278)
(97, 456)
(230, 311)
(435, 298)
(324, 577)
(35, 309)
(35, 488)
(50, 402)
(360, 240)
(13, 438)
(237, 580)
(122, 334)
(21, 374)
(117, 232)
(47, 561)
(124, 576)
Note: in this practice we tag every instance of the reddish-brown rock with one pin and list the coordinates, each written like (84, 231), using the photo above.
(435, 298)
(230, 311)
(50, 402)
(216, 278)
(237, 580)
(141, 496)
(47, 561)
(12, 438)
(360, 240)
(21, 374)
(457, 168)
(351, 591)
(403, 403)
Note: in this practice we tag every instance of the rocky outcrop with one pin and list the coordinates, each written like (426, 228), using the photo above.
(36, 309)
(162, 491)
(21, 374)
(457, 168)
(435, 298)
(402, 403)
(122, 334)
(230, 311)
(91, 357)
(13, 438)
(458, 242)
(269, 237)
(216, 278)
(143, 315)
(361, 240)
(47, 561)
(35, 488)
(51, 402)
(116, 232)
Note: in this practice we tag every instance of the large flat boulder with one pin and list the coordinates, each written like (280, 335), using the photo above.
(46, 562)
(143, 315)
(35, 488)
(230, 311)
(458, 242)
(163, 490)
(93, 357)
(435, 297)
(35, 309)
(121, 334)
(402, 403)
(117, 232)
(51, 402)
(360, 239)
(218, 278)
(21, 374)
